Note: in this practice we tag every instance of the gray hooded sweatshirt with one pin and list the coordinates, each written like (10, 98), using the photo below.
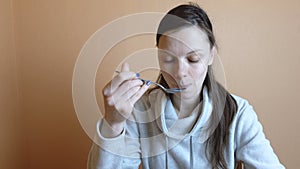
(155, 137)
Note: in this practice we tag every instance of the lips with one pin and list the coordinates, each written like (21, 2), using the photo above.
(181, 84)
(184, 86)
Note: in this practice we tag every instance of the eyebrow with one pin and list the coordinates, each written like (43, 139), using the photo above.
(194, 51)
(191, 52)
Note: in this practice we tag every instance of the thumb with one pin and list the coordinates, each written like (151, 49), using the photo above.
(125, 67)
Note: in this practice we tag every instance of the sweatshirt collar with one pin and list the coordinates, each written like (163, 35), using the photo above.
(166, 111)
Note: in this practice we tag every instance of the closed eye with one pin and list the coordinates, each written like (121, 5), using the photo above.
(168, 59)
(166, 56)
(193, 58)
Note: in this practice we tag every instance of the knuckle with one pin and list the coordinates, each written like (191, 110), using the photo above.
(104, 90)
(121, 77)
(110, 101)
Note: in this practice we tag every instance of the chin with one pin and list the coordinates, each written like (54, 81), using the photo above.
(186, 94)
(190, 93)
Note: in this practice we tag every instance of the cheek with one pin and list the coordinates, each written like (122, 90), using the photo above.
(199, 72)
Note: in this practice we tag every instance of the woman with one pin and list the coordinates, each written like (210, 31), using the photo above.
(203, 126)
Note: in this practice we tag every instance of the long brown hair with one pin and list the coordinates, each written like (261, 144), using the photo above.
(224, 105)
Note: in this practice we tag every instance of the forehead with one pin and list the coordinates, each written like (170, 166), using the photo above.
(184, 39)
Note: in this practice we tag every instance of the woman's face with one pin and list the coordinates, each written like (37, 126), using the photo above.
(184, 56)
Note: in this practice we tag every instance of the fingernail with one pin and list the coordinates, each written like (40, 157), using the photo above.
(137, 74)
(148, 83)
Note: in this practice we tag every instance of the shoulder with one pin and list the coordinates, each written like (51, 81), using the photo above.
(246, 125)
(251, 145)
(241, 102)
(244, 108)
(246, 121)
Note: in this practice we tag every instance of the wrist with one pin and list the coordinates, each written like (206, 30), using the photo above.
(109, 129)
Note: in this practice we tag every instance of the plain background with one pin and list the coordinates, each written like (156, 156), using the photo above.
(40, 41)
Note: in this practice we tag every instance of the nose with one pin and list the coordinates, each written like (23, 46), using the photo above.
(180, 70)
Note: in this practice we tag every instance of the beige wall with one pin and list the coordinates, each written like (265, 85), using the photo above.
(9, 95)
(258, 45)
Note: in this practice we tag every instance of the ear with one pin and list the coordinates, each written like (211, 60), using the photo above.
(213, 53)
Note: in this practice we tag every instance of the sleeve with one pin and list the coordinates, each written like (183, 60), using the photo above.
(121, 152)
(252, 147)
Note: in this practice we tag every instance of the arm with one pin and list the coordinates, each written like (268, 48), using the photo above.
(116, 143)
(120, 152)
(252, 147)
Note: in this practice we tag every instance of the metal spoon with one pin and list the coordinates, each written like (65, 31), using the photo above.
(170, 90)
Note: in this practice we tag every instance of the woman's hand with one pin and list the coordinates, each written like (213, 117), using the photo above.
(120, 95)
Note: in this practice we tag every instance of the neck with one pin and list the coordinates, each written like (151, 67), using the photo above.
(185, 106)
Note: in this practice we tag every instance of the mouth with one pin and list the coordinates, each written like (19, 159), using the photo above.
(184, 86)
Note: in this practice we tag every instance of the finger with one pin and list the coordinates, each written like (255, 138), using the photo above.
(124, 75)
(138, 94)
(117, 81)
(125, 67)
(123, 100)
(126, 87)
(127, 95)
